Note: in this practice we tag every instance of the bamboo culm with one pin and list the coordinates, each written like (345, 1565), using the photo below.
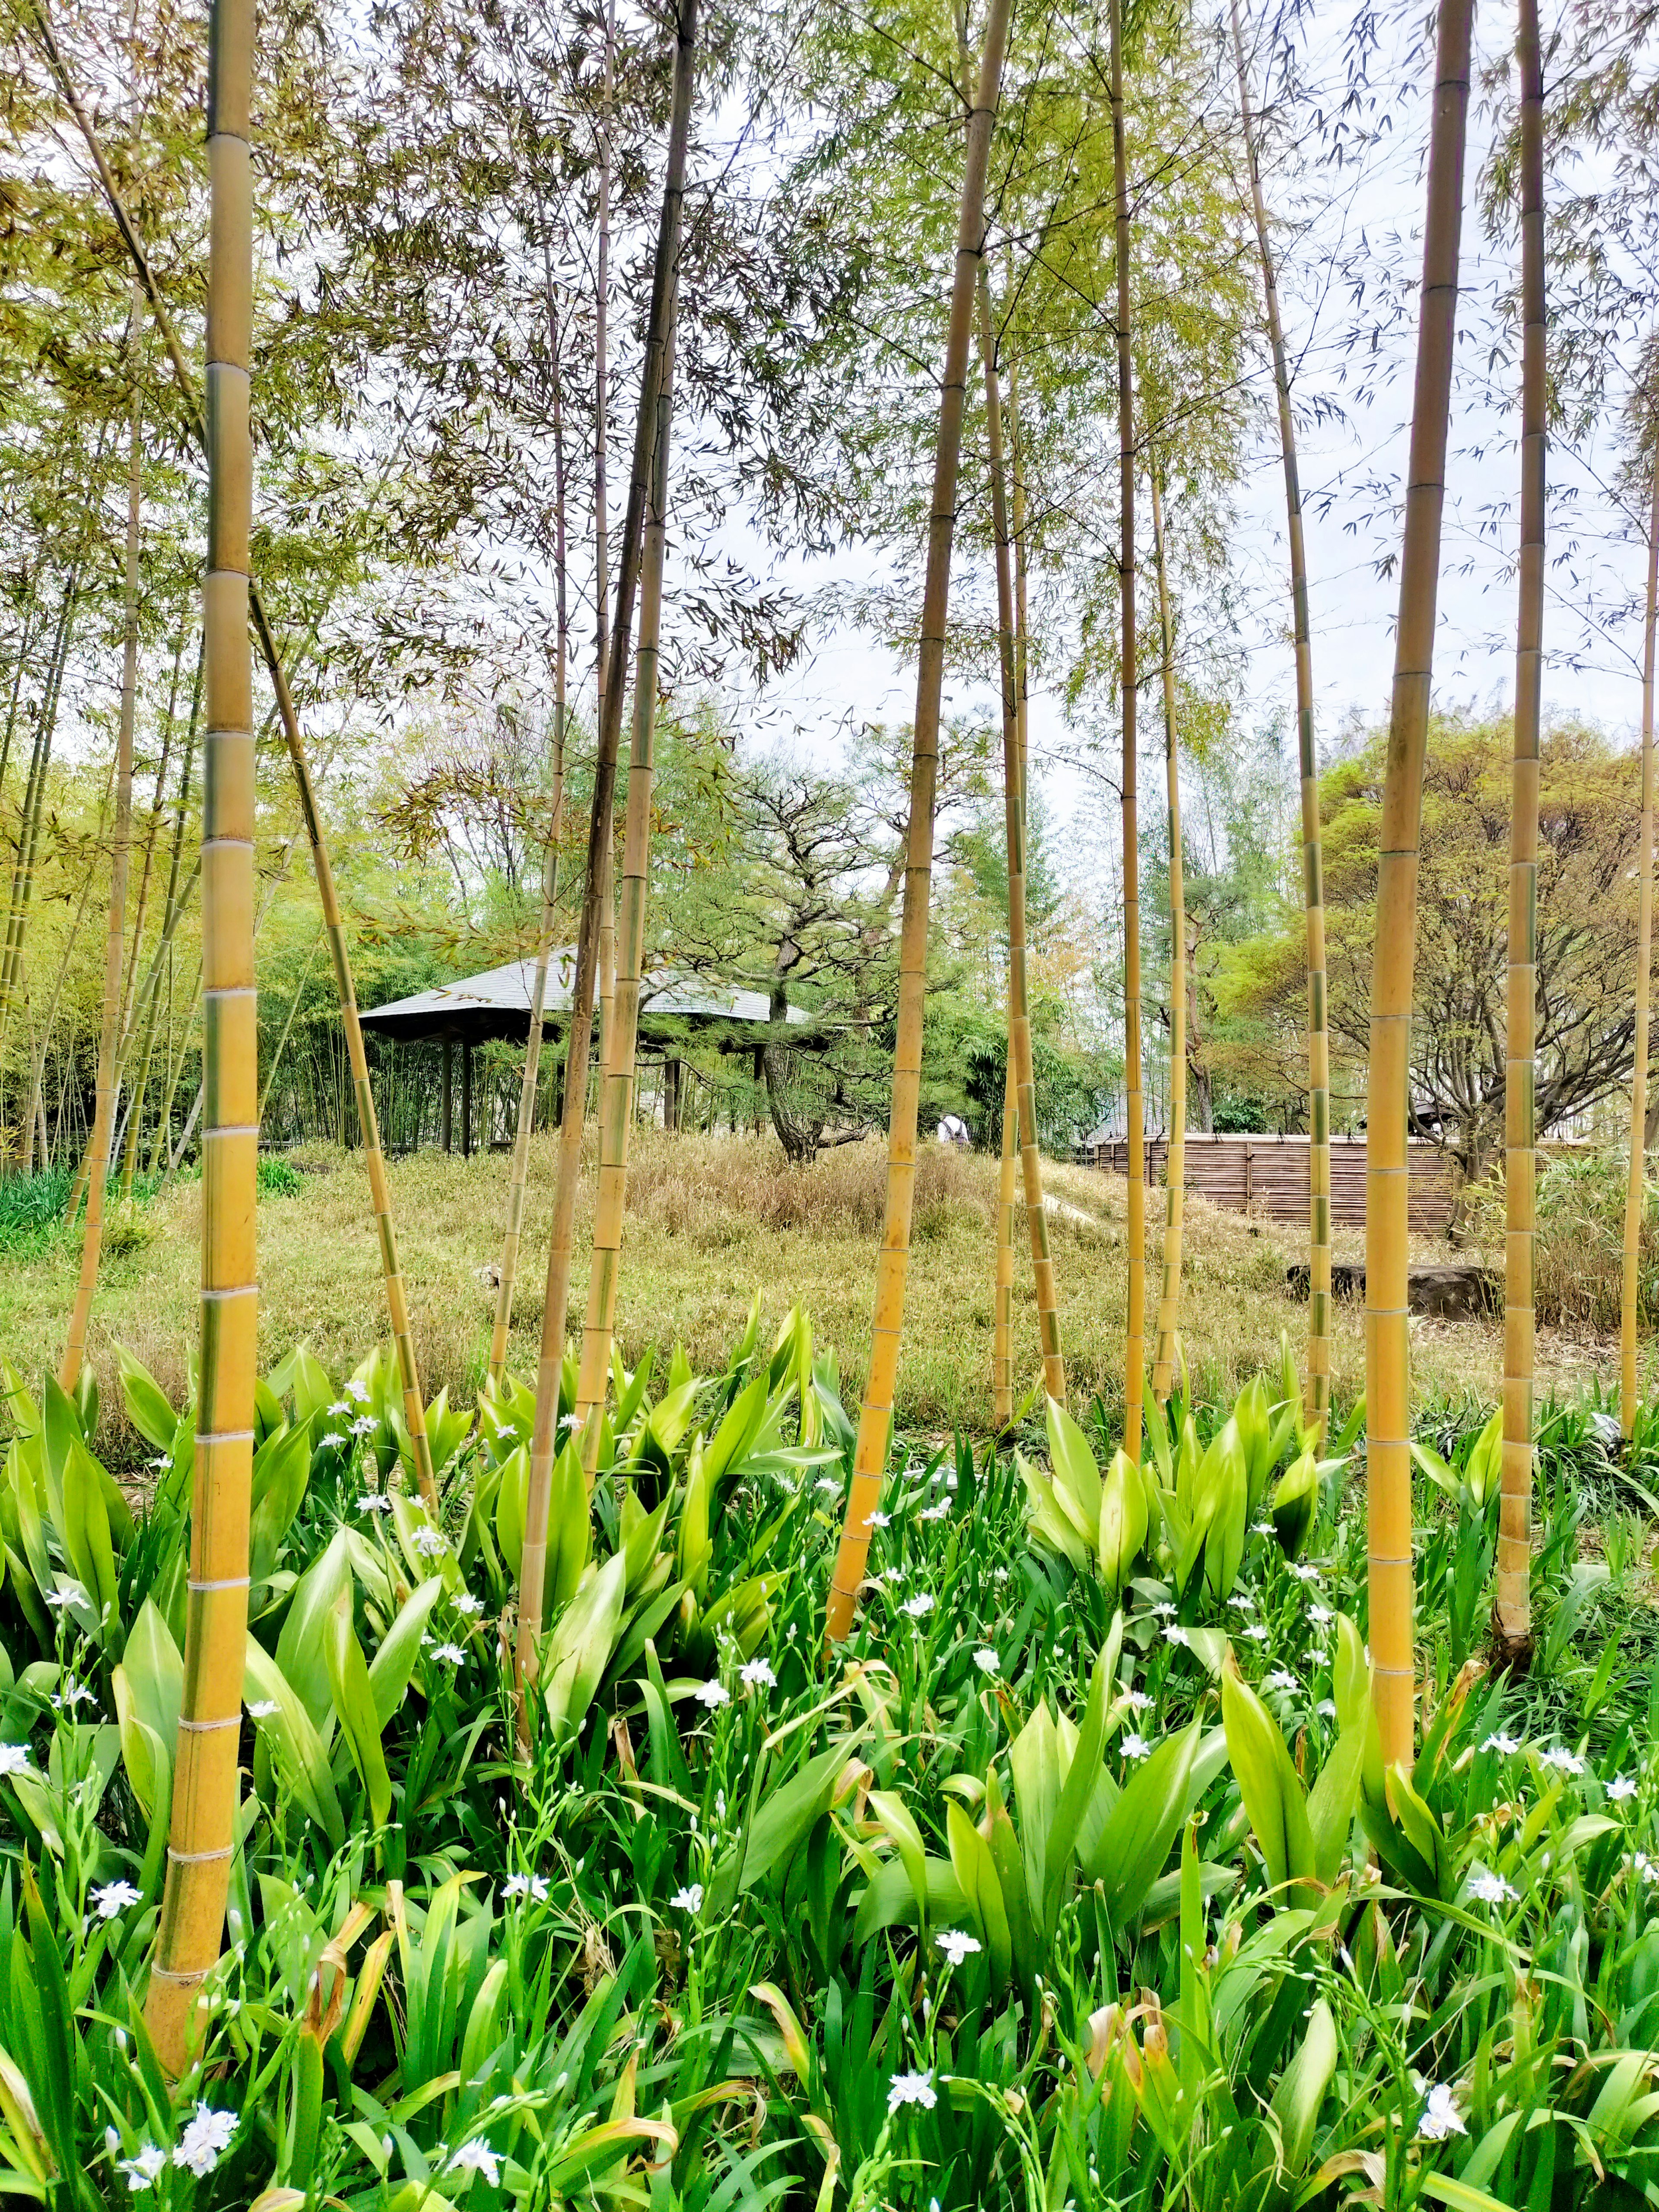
(619, 1072)
(74, 1345)
(1135, 1348)
(205, 1791)
(1513, 1606)
(1388, 1395)
(1019, 1020)
(1175, 1168)
(875, 1413)
(544, 1436)
(1317, 1388)
(1636, 1189)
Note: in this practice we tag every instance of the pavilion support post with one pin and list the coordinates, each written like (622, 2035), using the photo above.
(449, 1097)
(466, 1100)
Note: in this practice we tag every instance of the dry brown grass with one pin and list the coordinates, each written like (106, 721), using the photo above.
(710, 1219)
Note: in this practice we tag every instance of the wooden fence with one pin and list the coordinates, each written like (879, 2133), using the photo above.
(1268, 1175)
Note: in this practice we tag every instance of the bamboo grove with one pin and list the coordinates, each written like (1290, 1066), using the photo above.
(992, 418)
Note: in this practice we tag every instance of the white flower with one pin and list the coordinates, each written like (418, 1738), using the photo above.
(998, 1574)
(1138, 1701)
(162, 1459)
(477, 2157)
(450, 1653)
(207, 2136)
(712, 1694)
(1326, 1708)
(1440, 2116)
(829, 1486)
(957, 1945)
(1566, 1762)
(1164, 1610)
(14, 1758)
(1262, 1528)
(1175, 1634)
(374, 1504)
(143, 2171)
(1504, 1746)
(340, 1405)
(912, 2089)
(1647, 1868)
(364, 1425)
(938, 1512)
(357, 1390)
(689, 1900)
(1245, 1604)
(332, 1442)
(114, 1897)
(525, 1885)
(465, 1602)
(1320, 1615)
(1281, 1679)
(878, 1521)
(1254, 1632)
(72, 1694)
(1621, 1787)
(262, 1709)
(1303, 1573)
(1136, 1746)
(429, 1543)
(1490, 1888)
(921, 1603)
(111, 2139)
(986, 1660)
(757, 1675)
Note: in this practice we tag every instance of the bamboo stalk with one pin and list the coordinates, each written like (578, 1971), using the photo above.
(601, 533)
(1002, 1349)
(1512, 1608)
(74, 1345)
(876, 1414)
(1175, 1158)
(204, 1790)
(532, 1057)
(544, 1436)
(153, 822)
(1317, 1389)
(618, 1073)
(380, 1191)
(1014, 781)
(1134, 1349)
(1636, 1190)
(1388, 1382)
(150, 998)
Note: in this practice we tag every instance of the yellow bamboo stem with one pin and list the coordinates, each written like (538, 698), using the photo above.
(876, 1414)
(1316, 1392)
(1002, 1348)
(1174, 1170)
(1134, 1349)
(204, 1788)
(1635, 1191)
(98, 1147)
(1019, 1018)
(543, 1435)
(1388, 1379)
(1512, 1609)
(617, 1073)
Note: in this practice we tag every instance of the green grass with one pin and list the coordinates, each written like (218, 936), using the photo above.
(709, 1219)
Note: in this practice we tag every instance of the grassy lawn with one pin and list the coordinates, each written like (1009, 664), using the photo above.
(710, 1220)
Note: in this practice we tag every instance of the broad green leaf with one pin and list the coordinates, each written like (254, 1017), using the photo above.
(393, 1663)
(580, 1645)
(301, 1649)
(296, 1746)
(975, 1869)
(898, 1823)
(1302, 2085)
(1267, 1781)
(1135, 1844)
(149, 1691)
(511, 1499)
(146, 1401)
(1076, 1476)
(890, 1901)
(353, 1700)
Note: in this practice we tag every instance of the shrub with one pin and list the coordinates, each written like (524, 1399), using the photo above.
(1578, 1262)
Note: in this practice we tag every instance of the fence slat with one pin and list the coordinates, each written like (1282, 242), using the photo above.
(1268, 1175)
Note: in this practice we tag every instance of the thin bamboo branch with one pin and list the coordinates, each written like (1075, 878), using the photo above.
(1636, 1190)
(876, 1414)
(288, 1024)
(1174, 1157)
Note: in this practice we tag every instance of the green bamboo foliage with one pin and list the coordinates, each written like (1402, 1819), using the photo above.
(1388, 1391)
(1174, 1167)
(876, 1414)
(205, 1793)
(543, 1438)
(1014, 781)
(1636, 1190)
(1317, 1389)
(1512, 1611)
(1134, 1349)
(98, 1144)
(619, 1072)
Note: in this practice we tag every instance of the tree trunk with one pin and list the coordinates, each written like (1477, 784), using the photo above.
(549, 1372)
(1388, 1395)
(75, 1345)
(1175, 1158)
(1014, 784)
(1640, 1134)
(876, 1415)
(205, 1791)
(1317, 1391)
(616, 1109)
(1134, 1349)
